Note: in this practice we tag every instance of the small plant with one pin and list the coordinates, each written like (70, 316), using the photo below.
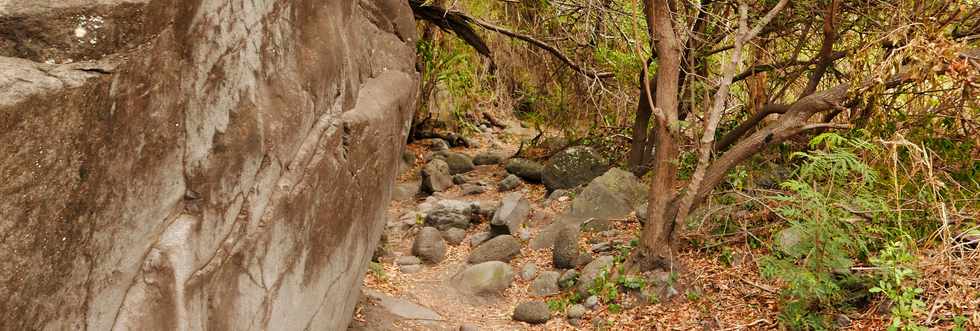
(895, 274)
(615, 308)
(378, 271)
(693, 295)
(557, 304)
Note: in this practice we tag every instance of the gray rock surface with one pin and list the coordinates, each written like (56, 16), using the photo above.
(479, 238)
(511, 215)
(220, 164)
(526, 169)
(572, 167)
(500, 248)
(402, 308)
(489, 157)
(509, 183)
(534, 312)
(444, 218)
(486, 278)
(454, 236)
(472, 189)
(615, 194)
(545, 284)
(591, 271)
(429, 245)
(459, 163)
(569, 278)
(436, 176)
(406, 191)
(576, 311)
(591, 302)
(528, 271)
(566, 250)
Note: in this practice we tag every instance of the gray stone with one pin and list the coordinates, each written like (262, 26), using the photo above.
(528, 271)
(485, 278)
(597, 225)
(526, 169)
(576, 311)
(445, 218)
(565, 251)
(479, 238)
(789, 240)
(436, 177)
(545, 284)
(487, 208)
(568, 279)
(454, 236)
(613, 195)
(472, 189)
(592, 302)
(534, 312)
(500, 248)
(402, 308)
(583, 259)
(459, 179)
(641, 212)
(405, 191)
(458, 162)
(407, 260)
(591, 271)
(429, 245)
(435, 144)
(601, 248)
(489, 157)
(509, 183)
(511, 215)
(573, 167)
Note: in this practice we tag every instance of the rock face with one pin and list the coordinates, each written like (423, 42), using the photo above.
(572, 167)
(230, 172)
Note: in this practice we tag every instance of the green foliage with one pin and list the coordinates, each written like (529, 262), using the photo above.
(822, 241)
(378, 271)
(895, 274)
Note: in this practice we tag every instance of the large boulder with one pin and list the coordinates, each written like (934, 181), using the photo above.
(486, 278)
(615, 194)
(526, 169)
(572, 167)
(500, 248)
(511, 215)
(219, 164)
